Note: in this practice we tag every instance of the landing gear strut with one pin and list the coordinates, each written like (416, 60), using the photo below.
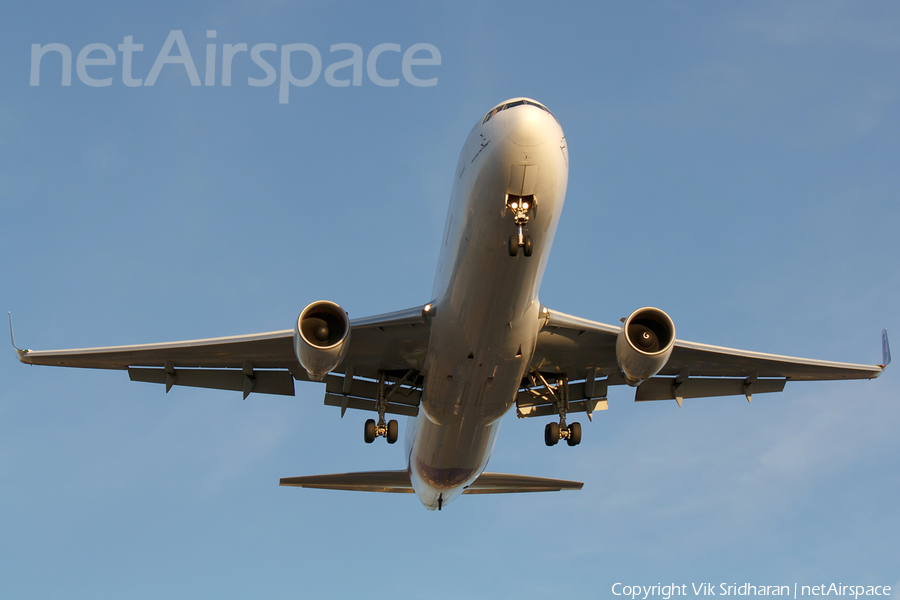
(389, 430)
(520, 207)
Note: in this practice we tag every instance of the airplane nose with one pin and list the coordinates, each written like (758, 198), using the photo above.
(527, 126)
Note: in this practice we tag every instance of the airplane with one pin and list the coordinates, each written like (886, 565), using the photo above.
(457, 364)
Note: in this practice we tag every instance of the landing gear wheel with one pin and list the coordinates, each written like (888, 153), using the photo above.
(513, 245)
(393, 431)
(369, 435)
(551, 434)
(528, 246)
(574, 434)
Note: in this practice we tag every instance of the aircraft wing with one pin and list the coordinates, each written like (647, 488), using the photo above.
(585, 351)
(262, 362)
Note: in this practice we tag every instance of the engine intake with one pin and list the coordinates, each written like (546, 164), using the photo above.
(321, 338)
(645, 344)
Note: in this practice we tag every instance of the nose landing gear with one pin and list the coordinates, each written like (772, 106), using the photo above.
(520, 207)
(520, 241)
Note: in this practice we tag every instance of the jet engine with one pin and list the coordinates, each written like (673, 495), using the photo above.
(321, 338)
(645, 344)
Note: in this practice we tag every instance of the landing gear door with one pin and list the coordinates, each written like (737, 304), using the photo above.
(523, 180)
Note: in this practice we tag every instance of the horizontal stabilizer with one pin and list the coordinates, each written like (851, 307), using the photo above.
(398, 482)
(503, 483)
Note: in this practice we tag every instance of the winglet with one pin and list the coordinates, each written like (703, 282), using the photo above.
(12, 338)
(885, 349)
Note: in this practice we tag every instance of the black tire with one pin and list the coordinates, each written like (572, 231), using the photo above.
(574, 434)
(393, 431)
(513, 245)
(529, 246)
(369, 432)
(551, 434)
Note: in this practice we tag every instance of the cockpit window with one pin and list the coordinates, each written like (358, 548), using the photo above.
(488, 116)
(493, 112)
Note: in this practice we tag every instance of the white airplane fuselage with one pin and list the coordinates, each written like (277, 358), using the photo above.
(487, 315)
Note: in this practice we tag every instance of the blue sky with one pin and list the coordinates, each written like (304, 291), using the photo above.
(734, 164)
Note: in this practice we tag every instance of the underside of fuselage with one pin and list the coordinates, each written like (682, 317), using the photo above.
(487, 315)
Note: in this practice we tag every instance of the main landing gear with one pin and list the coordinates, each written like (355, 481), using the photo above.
(389, 430)
(520, 206)
(554, 432)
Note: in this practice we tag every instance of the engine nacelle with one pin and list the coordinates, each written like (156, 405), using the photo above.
(321, 338)
(645, 344)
